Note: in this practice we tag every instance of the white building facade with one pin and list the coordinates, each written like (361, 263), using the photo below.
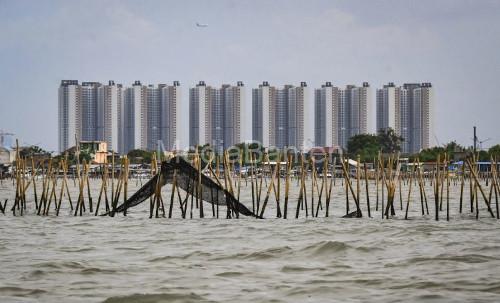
(409, 111)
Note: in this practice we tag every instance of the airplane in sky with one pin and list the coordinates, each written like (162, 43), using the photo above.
(201, 24)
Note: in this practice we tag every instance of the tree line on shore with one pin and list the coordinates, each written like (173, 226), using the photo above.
(366, 146)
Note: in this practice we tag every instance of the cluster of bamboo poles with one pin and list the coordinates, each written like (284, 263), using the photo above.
(266, 185)
(50, 195)
(193, 196)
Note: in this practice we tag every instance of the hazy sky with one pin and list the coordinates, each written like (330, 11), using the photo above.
(453, 44)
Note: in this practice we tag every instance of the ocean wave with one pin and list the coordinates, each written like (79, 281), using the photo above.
(20, 291)
(157, 298)
(183, 257)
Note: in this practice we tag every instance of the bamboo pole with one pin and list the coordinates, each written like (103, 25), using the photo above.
(200, 190)
(269, 188)
(313, 181)
(277, 188)
(125, 182)
(259, 187)
(382, 185)
(33, 178)
(323, 182)
(447, 192)
(252, 175)
(347, 210)
(377, 178)
(287, 184)
(462, 187)
(367, 191)
(436, 187)
(328, 197)
(100, 192)
(497, 191)
(358, 178)
(89, 195)
(302, 186)
(172, 195)
(480, 189)
(349, 186)
(409, 190)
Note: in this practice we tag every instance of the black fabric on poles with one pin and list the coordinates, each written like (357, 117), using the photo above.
(186, 174)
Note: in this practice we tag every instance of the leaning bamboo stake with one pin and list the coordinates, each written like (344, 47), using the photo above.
(304, 201)
(367, 191)
(422, 182)
(200, 190)
(377, 177)
(252, 175)
(391, 182)
(471, 188)
(112, 176)
(409, 190)
(125, 182)
(234, 210)
(329, 193)
(323, 182)
(383, 182)
(277, 188)
(447, 194)
(240, 163)
(158, 200)
(313, 183)
(347, 210)
(497, 191)
(89, 195)
(436, 187)
(101, 190)
(209, 166)
(18, 182)
(287, 184)
(349, 186)
(400, 193)
(51, 195)
(219, 183)
(61, 192)
(443, 179)
(227, 184)
(80, 195)
(33, 176)
(65, 178)
(462, 183)
(268, 192)
(118, 189)
(302, 185)
(480, 189)
(358, 178)
(46, 189)
(259, 186)
(172, 195)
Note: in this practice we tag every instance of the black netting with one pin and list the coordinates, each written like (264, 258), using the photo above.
(186, 178)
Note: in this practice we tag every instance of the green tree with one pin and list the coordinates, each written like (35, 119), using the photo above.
(431, 154)
(365, 145)
(484, 156)
(389, 141)
(138, 156)
(494, 151)
(86, 155)
(32, 151)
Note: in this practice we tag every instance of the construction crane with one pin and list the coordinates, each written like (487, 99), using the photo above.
(4, 134)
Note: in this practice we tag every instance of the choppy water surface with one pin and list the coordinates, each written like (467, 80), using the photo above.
(136, 259)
